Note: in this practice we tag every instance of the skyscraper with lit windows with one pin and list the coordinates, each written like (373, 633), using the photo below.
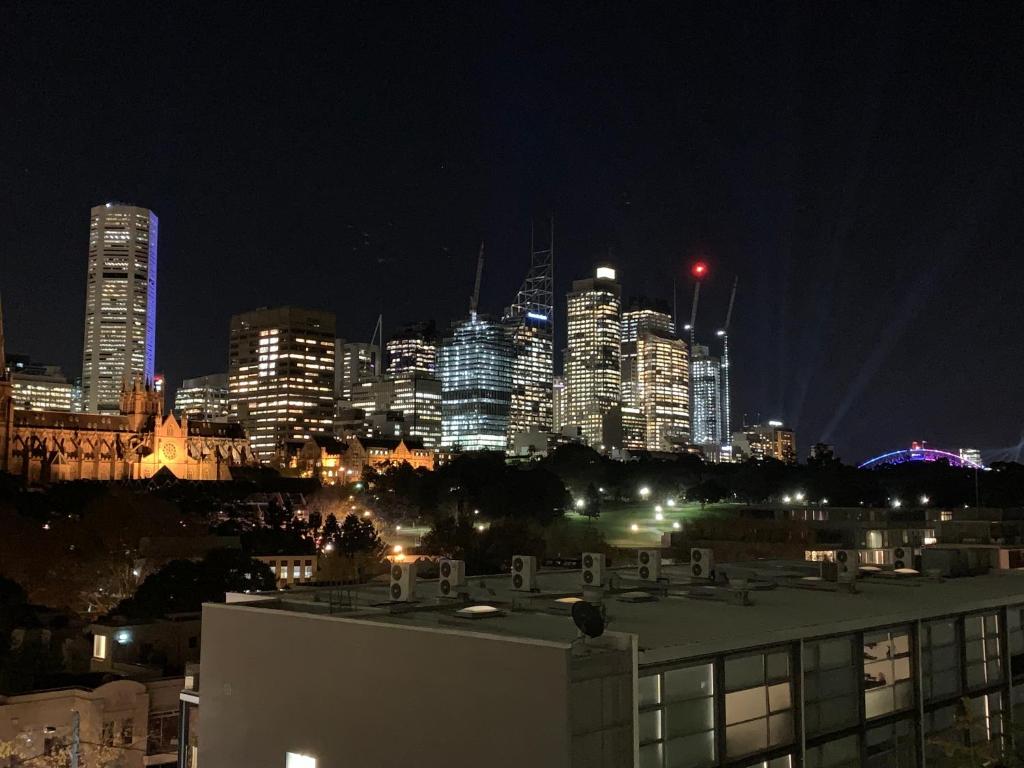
(475, 366)
(592, 360)
(281, 378)
(705, 374)
(531, 321)
(412, 352)
(120, 303)
(663, 390)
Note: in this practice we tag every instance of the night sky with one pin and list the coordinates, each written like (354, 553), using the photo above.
(858, 166)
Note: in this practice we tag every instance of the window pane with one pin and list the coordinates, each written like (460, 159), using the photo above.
(649, 690)
(695, 750)
(650, 726)
(688, 682)
(777, 665)
(877, 702)
(745, 705)
(778, 697)
(746, 738)
(686, 717)
(780, 728)
(650, 756)
(743, 672)
(837, 652)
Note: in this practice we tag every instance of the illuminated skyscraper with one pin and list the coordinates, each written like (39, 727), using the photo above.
(120, 303)
(205, 397)
(643, 314)
(39, 387)
(531, 327)
(558, 404)
(663, 389)
(355, 362)
(705, 373)
(413, 352)
(592, 373)
(281, 377)
(475, 365)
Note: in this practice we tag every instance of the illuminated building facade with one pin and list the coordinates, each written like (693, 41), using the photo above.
(281, 377)
(592, 362)
(39, 387)
(355, 362)
(413, 352)
(663, 390)
(706, 373)
(205, 397)
(475, 365)
(416, 398)
(120, 303)
(531, 328)
(771, 440)
(558, 404)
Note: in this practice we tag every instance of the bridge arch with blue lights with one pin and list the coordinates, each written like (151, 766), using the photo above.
(916, 454)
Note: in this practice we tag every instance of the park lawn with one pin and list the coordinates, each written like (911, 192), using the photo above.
(617, 518)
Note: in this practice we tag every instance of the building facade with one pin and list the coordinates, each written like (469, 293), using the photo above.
(336, 461)
(475, 365)
(355, 362)
(593, 374)
(120, 303)
(879, 672)
(663, 390)
(416, 397)
(770, 440)
(204, 397)
(38, 387)
(123, 722)
(412, 352)
(281, 378)
(706, 378)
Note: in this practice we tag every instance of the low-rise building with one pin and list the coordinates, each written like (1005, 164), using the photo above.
(153, 647)
(291, 569)
(763, 664)
(125, 723)
(333, 460)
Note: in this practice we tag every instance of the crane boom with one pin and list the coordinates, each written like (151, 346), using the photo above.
(732, 300)
(474, 300)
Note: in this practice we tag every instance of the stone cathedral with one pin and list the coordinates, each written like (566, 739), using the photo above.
(54, 446)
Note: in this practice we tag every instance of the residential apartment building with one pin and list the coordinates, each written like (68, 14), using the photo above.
(204, 397)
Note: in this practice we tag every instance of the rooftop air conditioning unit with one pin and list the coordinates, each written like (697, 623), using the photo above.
(702, 563)
(593, 569)
(524, 573)
(648, 563)
(403, 582)
(847, 561)
(452, 574)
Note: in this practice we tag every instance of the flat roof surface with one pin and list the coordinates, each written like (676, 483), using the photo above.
(688, 619)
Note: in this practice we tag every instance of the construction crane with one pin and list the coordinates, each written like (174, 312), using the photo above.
(726, 393)
(699, 270)
(474, 300)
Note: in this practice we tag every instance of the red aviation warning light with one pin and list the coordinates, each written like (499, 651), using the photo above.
(699, 269)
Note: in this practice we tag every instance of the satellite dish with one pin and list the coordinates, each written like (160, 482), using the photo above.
(588, 618)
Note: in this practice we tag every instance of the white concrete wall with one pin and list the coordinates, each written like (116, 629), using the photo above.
(366, 695)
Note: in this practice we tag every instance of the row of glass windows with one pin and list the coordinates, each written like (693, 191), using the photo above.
(842, 677)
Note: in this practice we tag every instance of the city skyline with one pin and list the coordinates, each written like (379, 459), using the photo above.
(817, 180)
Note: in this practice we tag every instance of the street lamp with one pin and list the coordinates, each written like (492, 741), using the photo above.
(658, 516)
(645, 492)
(671, 502)
(786, 499)
(925, 499)
(581, 503)
(676, 525)
(896, 503)
(634, 527)
(799, 495)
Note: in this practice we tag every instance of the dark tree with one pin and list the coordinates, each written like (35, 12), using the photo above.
(358, 536)
(593, 508)
(182, 586)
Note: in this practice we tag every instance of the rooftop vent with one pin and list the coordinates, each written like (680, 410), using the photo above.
(479, 612)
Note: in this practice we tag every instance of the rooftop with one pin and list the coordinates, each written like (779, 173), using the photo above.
(685, 619)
